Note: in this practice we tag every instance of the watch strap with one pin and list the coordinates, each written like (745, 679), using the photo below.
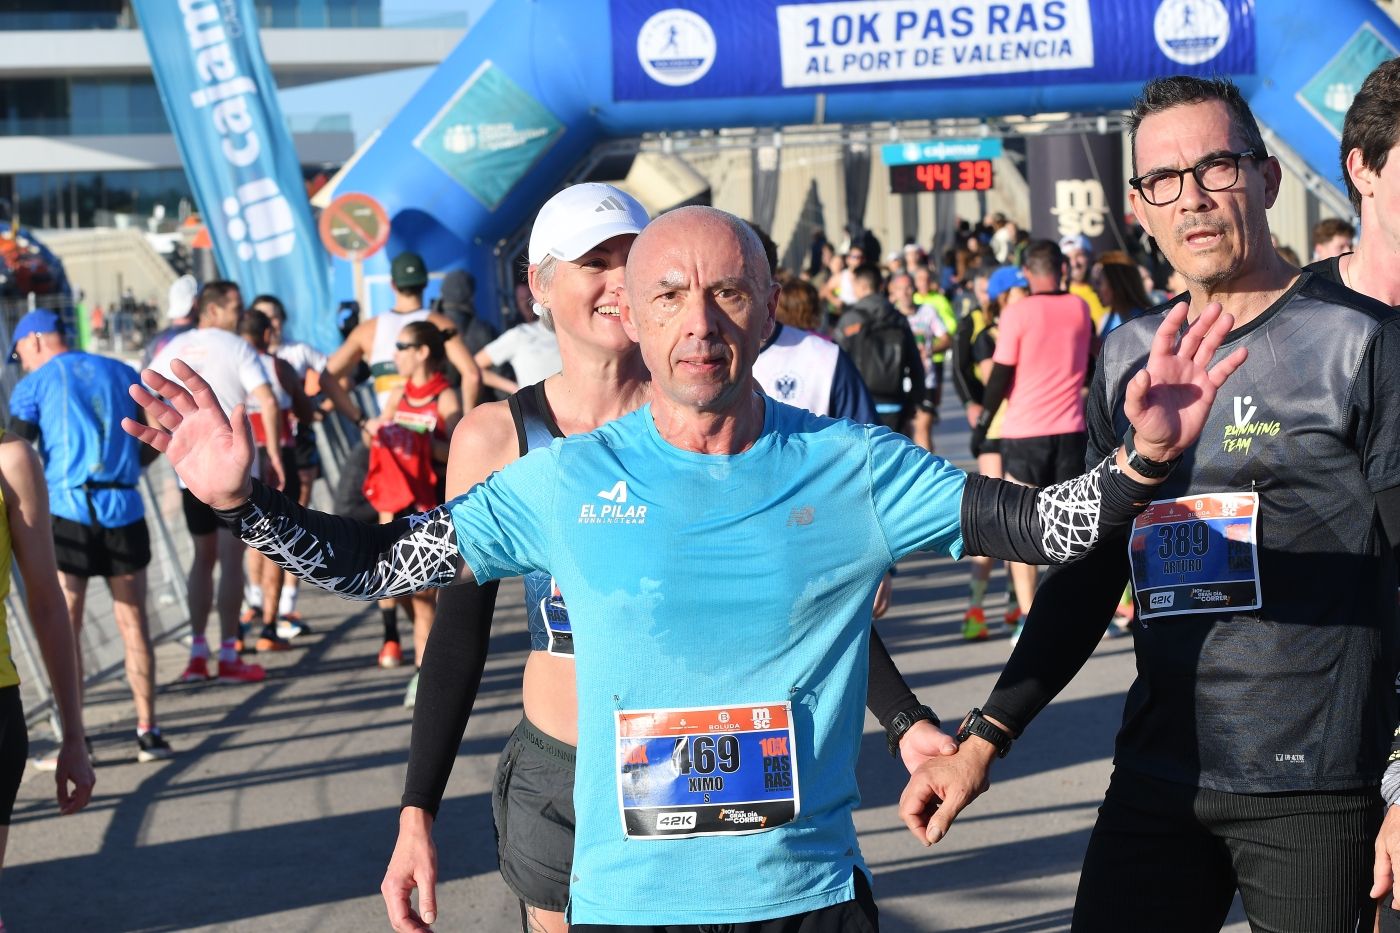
(982, 727)
(1152, 469)
(903, 721)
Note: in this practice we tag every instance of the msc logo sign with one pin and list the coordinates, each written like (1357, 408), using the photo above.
(1080, 207)
(671, 822)
(1161, 601)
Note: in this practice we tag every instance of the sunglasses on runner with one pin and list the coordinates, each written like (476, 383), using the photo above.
(407, 346)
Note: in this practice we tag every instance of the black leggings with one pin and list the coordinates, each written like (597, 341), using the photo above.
(14, 749)
(1170, 857)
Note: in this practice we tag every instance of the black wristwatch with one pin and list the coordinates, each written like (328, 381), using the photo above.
(982, 727)
(1152, 469)
(903, 721)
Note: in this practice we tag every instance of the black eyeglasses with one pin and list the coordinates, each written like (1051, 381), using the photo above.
(1213, 173)
(407, 346)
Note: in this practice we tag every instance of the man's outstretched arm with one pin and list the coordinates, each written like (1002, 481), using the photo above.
(1167, 403)
(213, 456)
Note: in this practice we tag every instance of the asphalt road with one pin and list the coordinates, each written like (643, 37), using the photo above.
(280, 808)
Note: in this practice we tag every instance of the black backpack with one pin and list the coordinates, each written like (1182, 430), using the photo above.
(877, 349)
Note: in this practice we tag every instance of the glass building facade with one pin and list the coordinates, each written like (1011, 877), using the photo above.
(126, 105)
(117, 14)
(80, 107)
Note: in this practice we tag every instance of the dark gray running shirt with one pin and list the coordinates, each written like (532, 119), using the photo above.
(1300, 693)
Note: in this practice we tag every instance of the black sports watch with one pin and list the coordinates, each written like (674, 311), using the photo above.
(903, 721)
(1152, 469)
(982, 727)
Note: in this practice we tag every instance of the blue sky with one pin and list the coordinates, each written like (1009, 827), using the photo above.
(373, 100)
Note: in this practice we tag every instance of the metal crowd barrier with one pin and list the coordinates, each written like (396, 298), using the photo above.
(167, 601)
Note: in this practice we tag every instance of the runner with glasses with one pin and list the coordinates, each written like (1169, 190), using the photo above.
(1255, 735)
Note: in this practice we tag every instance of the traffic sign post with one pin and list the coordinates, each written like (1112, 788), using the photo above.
(354, 227)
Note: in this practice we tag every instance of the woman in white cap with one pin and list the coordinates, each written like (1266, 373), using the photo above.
(578, 251)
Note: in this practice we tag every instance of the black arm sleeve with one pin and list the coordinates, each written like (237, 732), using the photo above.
(887, 692)
(1053, 524)
(448, 681)
(1072, 607)
(998, 384)
(965, 380)
(27, 430)
(349, 558)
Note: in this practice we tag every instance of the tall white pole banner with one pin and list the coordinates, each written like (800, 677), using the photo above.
(222, 104)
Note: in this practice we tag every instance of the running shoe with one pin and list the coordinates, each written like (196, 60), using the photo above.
(269, 640)
(391, 655)
(411, 695)
(197, 672)
(1013, 617)
(151, 746)
(240, 672)
(975, 625)
(290, 628)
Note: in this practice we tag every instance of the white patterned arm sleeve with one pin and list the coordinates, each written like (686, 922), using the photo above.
(1051, 525)
(350, 558)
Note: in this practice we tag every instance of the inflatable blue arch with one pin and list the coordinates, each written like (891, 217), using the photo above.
(536, 84)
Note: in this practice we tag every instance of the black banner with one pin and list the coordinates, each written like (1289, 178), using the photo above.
(1077, 186)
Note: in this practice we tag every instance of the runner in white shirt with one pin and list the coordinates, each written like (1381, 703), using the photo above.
(530, 348)
(233, 371)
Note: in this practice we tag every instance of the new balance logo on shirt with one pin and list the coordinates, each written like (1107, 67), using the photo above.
(617, 512)
(610, 203)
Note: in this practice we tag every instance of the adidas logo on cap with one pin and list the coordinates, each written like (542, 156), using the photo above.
(610, 203)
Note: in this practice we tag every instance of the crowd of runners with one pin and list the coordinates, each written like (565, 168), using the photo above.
(682, 447)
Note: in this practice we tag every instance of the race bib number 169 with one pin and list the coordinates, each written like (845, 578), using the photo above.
(706, 771)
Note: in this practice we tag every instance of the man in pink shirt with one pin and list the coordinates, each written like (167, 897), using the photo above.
(1040, 369)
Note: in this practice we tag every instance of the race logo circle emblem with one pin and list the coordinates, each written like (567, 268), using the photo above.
(1190, 32)
(676, 47)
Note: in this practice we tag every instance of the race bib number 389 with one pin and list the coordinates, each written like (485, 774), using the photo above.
(1196, 554)
(708, 771)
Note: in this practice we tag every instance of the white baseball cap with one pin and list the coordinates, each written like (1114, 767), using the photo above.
(580, 217)
(183, 292)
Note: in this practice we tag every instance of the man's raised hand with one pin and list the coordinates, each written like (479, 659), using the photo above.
(211, 456)
(941, 787)
(1169, 399)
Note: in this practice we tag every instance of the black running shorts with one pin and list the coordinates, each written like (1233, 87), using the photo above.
(94, 551)
(858, 915)
(1168, 858)
(1042, 461)
(306, 455)
(14, 749)
(532, 803)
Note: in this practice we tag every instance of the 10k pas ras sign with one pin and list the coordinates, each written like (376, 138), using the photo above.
(678, 49)
(896, 40)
